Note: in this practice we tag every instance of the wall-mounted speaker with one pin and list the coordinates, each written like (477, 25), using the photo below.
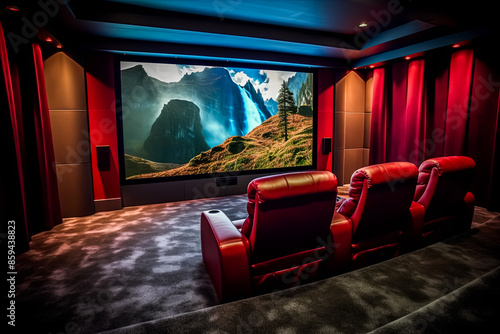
(326, 145)
(103, 158)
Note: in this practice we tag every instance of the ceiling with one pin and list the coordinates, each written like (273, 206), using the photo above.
(307, 32)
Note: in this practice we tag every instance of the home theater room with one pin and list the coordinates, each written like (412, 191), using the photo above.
(250, 166)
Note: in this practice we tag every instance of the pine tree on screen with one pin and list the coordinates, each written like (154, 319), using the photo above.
(286, 105)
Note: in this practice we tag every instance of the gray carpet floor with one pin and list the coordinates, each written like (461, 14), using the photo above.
(449, 287)
(140, 269)
(116, 268)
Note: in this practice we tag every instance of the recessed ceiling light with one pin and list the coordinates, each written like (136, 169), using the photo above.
(456, 45)
(48, 39)
(59, 46)
(372, 66)
(13, 8)
(407, 57)
(363, 25)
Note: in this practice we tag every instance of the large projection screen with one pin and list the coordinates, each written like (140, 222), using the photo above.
(179, 121)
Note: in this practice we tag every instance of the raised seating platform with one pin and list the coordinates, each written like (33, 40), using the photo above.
(416, 290)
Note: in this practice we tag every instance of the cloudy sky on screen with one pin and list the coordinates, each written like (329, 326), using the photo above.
(267, 81)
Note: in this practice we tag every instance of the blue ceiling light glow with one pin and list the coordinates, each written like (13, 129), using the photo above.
(195, 57)
(299, 14)
(133, 32)
(401, 31)
(420, 47)
(324, 33)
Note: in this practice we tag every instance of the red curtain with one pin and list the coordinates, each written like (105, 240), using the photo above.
(45, 146)
(13, 204)
(379, 121)
(397, 89)
(457, 111)
(414, 126)
(29, 193)
(443, 104)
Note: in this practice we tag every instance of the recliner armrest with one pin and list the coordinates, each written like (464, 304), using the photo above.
(464, 220)
(225, 256)
(414, 228)
(425, 197)
(341, 234)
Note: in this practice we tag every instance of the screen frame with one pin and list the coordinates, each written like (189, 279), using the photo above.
(179, 61)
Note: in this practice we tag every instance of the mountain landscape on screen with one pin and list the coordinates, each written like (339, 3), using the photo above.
(184, 120)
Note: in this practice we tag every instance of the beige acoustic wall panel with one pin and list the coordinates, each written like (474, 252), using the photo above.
(354, 93)
(338, 166)
(339, 139)
(71, 136)
(75, 191)
(368, 123)
(368, 116)
(369, 93)
(353, 161)
(340, 90)
(355, 129)
(339, 129)
(349, 92)
(366, 156)
(350, 124)
(65, 82)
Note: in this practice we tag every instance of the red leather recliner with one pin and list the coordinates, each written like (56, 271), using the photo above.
(443, 190)
(380, 210)
(283, 242)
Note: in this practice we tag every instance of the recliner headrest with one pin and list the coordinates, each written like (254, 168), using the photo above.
(442, 165)
(379, 174)
(292, 185)
(447, 164)
(278, 187)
